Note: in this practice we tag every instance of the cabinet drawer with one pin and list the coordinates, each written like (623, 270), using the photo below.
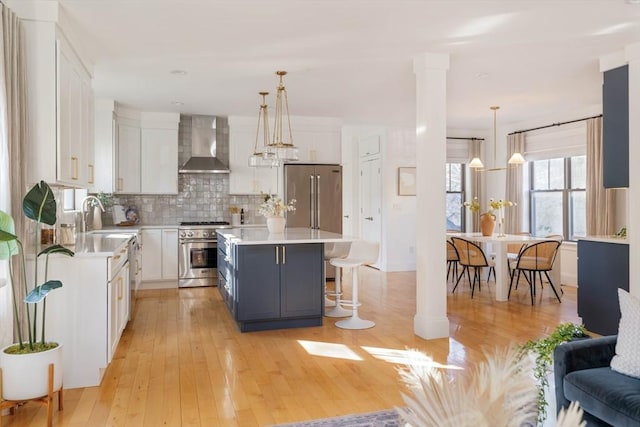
(117, 260)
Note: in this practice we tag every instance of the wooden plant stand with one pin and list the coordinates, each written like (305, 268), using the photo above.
(45, 400)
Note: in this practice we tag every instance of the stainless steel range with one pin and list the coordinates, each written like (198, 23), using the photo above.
(198, 253)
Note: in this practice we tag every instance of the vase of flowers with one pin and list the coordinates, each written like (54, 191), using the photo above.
(494, 215)
(273, 208)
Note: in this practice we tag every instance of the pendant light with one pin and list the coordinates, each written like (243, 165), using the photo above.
(279, 148)
(260, 157)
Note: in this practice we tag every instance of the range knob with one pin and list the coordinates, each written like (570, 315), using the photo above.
(205, 234)
(189, 233)
(183, 234)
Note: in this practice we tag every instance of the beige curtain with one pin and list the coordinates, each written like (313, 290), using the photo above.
(13, 124)
(514, 191)
(476, 181)
(600, 201)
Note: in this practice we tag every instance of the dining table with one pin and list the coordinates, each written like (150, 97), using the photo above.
(499, 248)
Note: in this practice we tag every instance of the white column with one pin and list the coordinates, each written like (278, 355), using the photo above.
(632, 55)
(431, 319)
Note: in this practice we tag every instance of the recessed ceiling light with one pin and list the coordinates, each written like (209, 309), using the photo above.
(177, 103)
(633, 1)
(482, 75)
(178, 72)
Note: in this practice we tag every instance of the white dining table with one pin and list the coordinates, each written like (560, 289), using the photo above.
(499, 247)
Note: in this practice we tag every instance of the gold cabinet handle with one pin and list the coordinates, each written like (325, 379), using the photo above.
(277, 256)
(75, 167)
(116, 257)
(119, 184)
(119, 288)
(284, 255)
(91, 174)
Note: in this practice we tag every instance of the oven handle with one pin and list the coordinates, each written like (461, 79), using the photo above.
(184, 242)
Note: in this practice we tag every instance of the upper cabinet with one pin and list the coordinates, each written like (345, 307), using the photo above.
(615, 127)
(60, 109)
(146, 152)
(318, 141)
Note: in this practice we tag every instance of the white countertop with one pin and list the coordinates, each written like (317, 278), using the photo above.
(261, 236)
(606, 239)
(99, 244)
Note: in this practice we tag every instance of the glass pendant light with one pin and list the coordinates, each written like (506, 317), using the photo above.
(282, 150)
(260, 157)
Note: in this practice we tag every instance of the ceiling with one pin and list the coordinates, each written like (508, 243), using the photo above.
(353, 59)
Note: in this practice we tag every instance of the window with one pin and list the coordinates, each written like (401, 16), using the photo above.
(455, 195)
(558, 197)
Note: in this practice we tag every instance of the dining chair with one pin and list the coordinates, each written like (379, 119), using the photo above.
(513, 250)
(536, 258)
(452, 261)
(471, 255)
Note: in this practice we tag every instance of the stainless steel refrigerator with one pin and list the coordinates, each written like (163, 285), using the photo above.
(318, 193)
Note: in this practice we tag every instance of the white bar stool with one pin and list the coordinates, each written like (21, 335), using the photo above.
(360, 253)
(334, 251)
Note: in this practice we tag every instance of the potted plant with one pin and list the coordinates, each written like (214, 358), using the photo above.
(25, 364)
(542, 350)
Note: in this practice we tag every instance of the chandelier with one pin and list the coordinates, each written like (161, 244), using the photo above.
(279, 148)
(515, 160)
(260, 157)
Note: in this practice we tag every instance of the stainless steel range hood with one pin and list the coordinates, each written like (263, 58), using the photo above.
(203, 148)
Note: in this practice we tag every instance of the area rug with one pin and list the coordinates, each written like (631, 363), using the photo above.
(386, 418)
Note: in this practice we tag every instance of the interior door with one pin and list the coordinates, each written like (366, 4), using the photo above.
(370, 200)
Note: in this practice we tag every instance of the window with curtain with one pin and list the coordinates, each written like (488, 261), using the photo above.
(558, 196)
(455, 196)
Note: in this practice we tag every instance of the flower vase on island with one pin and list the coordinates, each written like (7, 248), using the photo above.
(273, 208)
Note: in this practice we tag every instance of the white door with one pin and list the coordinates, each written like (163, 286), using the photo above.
(370, 200)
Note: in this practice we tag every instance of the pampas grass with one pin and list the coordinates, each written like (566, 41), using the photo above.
(500, 392)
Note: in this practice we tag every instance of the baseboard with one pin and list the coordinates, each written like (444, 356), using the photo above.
(159, 284)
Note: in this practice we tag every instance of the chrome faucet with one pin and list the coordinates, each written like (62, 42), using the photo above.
(85, 228)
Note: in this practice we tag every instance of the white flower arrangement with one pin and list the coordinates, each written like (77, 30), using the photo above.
(494, 205)
(274, 206)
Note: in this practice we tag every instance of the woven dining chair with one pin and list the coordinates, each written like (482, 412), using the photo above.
(452, 261)
(536, 258)
(470, 255)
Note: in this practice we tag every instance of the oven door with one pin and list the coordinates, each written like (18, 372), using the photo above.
(198, 262)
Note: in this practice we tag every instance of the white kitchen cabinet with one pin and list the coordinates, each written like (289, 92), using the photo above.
(159, 161)
(369, 146)
(318, 140)
(151, 254)
(128, 159)
(170, 253)
(118, 290)
(59, 108)
(146, 152)
(105, 137)
(160, 254)
(79, 314)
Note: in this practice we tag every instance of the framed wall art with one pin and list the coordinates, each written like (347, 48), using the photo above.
(407, 181)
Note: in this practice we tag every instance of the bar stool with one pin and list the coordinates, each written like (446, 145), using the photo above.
(360, 253)
(331, 251)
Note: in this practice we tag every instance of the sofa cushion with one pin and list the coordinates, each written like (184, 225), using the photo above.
(610, 396)
(627, 358)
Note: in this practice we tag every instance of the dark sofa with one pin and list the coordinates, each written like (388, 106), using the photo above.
(582, 373)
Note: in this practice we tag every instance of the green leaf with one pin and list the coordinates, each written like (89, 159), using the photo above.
(8, 244)
(39, 204)
(39, 292)
(56, 249)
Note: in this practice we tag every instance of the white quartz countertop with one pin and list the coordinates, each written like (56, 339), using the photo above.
(102, 244)
(261, 236)
(606, 239)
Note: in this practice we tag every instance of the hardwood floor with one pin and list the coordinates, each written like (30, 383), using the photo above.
(182, 361)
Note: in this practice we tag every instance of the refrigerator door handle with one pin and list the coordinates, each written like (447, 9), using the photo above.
(312, 201)
(317, 202)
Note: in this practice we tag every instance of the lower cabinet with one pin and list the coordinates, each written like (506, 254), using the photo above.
(602, 269)
(272, 286)
(88, 313)
(159, 254)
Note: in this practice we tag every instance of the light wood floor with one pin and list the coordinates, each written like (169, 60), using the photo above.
(182, 361)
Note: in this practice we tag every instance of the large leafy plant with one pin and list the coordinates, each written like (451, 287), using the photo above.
(39, 205)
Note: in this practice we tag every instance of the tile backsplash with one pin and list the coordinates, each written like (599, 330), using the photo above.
(201, 197)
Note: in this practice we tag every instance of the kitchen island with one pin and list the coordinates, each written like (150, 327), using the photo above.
(273, 281)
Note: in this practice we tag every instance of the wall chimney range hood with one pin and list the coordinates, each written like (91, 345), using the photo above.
(203, 148)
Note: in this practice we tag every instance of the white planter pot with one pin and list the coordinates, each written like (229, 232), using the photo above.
(26, 376)
(275, 224)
